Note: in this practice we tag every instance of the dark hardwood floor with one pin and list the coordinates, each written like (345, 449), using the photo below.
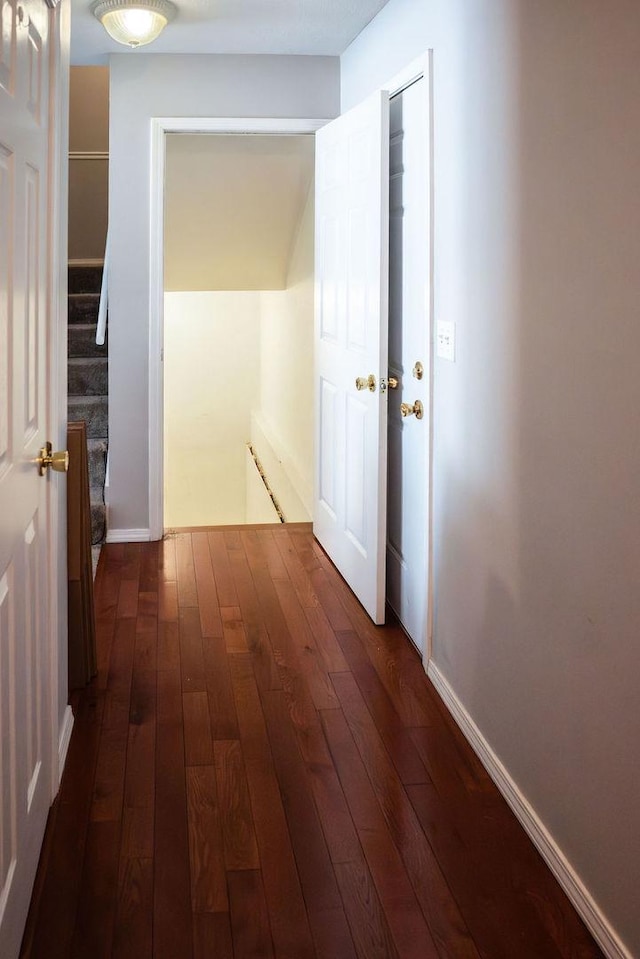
(258, 771)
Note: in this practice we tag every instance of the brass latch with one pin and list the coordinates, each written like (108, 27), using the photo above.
(58, 461)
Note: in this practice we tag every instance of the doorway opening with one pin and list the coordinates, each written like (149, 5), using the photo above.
(238, 329)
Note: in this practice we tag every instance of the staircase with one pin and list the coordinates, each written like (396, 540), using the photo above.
(88, 384)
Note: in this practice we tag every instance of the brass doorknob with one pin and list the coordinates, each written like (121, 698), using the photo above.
(366, 383)
(58, 461)
(418, 370)
(392, 383)
(417, 409)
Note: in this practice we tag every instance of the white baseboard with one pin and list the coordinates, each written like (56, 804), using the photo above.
(584, 903)
(63, 740)
(128, 535)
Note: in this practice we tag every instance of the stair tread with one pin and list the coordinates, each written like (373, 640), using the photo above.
(91, 400)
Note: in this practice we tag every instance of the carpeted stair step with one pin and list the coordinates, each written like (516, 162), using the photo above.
(84, 279)
(97, 455)
(88, 376)
(83, 307)
(82, 341)
(94, 411)
(98, 517)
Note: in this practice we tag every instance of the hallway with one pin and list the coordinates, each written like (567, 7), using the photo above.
(257, 770)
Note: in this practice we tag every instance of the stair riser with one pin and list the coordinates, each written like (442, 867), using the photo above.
(98, 517)
(90, 377)
(83, 308)
(95, 414)
(85, 279)
(82, 342)
(97, 456)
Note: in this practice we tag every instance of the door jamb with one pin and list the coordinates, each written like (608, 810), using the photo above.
(160, 126)
(422, 68)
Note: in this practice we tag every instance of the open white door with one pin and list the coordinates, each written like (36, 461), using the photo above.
(27, 499)
(352, 250)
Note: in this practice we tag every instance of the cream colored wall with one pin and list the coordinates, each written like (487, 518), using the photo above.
(211, 373)
(88, 178)
(285, 419)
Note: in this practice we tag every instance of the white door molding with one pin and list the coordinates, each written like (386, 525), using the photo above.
(422, 69)
(160, 127)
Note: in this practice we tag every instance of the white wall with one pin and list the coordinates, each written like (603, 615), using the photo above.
(211, 386)
(537, 459)
(172, 85)
(285, 421)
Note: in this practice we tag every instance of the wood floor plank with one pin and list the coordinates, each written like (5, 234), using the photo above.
(133, 934)
(249, 918)
(287, 912)
(198, 747)
(391, 841)
(235, 637)
(206, 851)
(172, 917)
(297, 574)
(208, 605)
(168, 646)
(191, 651)
(95, 919)
(395, 735)
(271, 554)
(317, 875)
(239, 840)
(149, 566)
(309, 661)
(440, 909)
(168, 601)
(369, 928)
(185, 571)
(404, 916)
(227, 595)
(222, 706)
(167, 567)
(212, 937)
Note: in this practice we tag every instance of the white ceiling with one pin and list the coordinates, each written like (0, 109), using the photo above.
(233, 205)
(321, 27)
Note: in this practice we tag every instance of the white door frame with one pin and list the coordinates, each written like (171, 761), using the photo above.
(160, 127)
(422, 69)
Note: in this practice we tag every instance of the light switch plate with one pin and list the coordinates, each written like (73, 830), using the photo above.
(446, 340)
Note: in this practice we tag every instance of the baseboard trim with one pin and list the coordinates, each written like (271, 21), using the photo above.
(128, 535)
(582, 900)
(63, 741)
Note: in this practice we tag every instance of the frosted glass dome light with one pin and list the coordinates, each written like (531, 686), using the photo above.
(134, 22)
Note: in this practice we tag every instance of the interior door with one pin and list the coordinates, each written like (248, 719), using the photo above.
(352, 249)
(409, 345)
(25, 658)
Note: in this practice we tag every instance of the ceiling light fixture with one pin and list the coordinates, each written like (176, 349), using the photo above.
(134, 22)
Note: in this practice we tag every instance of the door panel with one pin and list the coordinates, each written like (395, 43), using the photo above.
(25, 677)
(352, 159)
(409, 341)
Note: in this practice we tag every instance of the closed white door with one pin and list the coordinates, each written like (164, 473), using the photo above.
(25, 657)
(352, 199)
(409, 345)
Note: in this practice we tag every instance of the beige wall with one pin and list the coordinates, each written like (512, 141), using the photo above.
(536, 519)
(283, 432)
(211, 386)
(238, 368)
(88, 176)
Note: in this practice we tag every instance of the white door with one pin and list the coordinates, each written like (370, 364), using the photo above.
(25, 655)
(409, 344)
(352, 203)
